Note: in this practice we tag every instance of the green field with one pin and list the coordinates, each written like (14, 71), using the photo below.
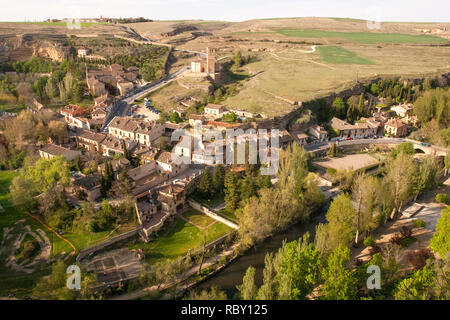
(198, 218)
(337, 54)
(178, 239)
(362, 37)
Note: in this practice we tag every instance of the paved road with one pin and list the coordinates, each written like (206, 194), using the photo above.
(121, 108)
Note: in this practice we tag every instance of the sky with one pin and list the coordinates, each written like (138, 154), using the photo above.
(227, 10)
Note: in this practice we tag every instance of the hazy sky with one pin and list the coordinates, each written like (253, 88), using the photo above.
(229, 10)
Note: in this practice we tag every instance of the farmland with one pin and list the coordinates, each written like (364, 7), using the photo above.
(336, 54)
(362, 37)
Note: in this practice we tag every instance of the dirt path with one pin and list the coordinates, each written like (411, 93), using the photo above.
(56, 233)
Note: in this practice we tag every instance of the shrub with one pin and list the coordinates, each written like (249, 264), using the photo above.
(419, 223)
(406, 232)
(369, 241)
(331, 171)
(442, 198)
(418, 258)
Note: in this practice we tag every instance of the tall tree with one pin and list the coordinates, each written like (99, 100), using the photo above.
(340, 217)
(232, 196)
(339, 281)
(248, 288)
(400, 178)
(365, 194)
(206, 186)
(218, 178)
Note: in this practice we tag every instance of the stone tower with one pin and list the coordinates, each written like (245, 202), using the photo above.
(211, 61)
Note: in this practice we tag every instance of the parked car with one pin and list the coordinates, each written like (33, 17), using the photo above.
(349, 138)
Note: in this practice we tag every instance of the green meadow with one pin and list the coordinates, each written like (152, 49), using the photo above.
(337, 54)
(362, 37)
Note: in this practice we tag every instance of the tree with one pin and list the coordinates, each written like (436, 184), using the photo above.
(340, 217)
(248, 288)
(440, 242)
(232, 196)
(248, 187)
(238, 59)
(161, 143)
(298, 266)
(268, 290)
(206, 186)
(333, 150)
(365, 195)
(125, 183)
(400, 178)
(417, 287)
(126, 153)
(339, 281)
(339, 108)
(425, 177)
(218, 178)
(21, 190)
(212, 294)
(404, 147)
(175, 118)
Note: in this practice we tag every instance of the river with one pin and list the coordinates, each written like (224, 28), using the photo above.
(232, 275)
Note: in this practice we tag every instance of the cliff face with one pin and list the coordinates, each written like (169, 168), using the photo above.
(23, 47)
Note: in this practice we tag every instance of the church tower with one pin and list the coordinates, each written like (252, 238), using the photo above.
(211, 61)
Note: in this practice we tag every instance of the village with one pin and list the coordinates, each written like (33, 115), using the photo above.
(150, 177)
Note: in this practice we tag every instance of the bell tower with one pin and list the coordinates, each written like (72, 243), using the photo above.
(211, 60)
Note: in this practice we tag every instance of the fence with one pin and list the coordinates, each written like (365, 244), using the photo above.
(212, 214)
(86, 252)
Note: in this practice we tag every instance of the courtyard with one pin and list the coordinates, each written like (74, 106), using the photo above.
(187, 233)
(350, 162)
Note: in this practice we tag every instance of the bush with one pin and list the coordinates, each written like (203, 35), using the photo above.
(418, 258)
(406, 232)
(369, 241)
(442, 198)
(30, 248)
(331, 171)
(419, 223)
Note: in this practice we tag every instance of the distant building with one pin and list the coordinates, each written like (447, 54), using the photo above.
(50, 151)
(112, 146)
(208, 65)
(90, 141)
(125, 87)
(318, 133)
(83, 52)
(396, 128)
(403, 109)
(215, 109)
(89, 185)
(361, 129)
(144, 132)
